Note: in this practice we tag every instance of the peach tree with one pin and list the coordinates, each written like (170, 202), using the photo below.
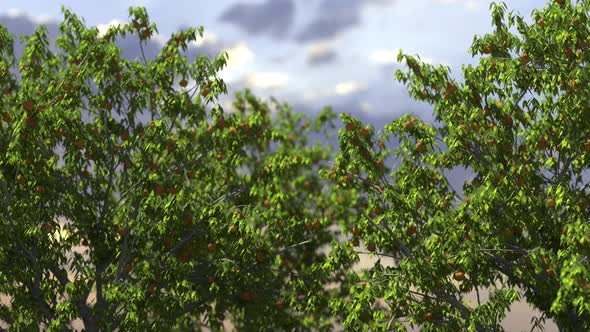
(519, 229)
(128, 204)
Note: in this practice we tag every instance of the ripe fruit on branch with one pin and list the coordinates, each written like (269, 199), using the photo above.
(550, 202)
(188, 219)
(519, 181)
(420, 147)
(47, 227)
(350, 127)
(30, 121)
(451, 88)
(170, 145)
(152, 288)
(124, 134)
(80, 143)
(364, 132)
(408, 124)
(28, 105)
(371, 247)
(147, 33)
(377, 210)
(356, 231)
(488, 48)
(459, 276)
(247, 296)
(221, 123)
(574, 85)
(317, 225)
(211, 246)
(245, 127)
(184, 256)
(159, 189)
(524, 57)
(543, 143)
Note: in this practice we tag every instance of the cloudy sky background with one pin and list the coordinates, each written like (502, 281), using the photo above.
(308, 53)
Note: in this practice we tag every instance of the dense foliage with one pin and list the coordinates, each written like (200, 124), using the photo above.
(521, 227)
(173, 215)
(128, 204)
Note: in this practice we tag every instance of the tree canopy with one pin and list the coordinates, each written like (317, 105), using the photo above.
(128, 204)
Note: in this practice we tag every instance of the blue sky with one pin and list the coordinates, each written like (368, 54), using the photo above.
(308, 53)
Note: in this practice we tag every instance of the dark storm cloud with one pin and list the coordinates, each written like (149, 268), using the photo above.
(335, 16)
(274, 17)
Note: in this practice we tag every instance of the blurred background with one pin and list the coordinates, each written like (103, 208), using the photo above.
(309, 54)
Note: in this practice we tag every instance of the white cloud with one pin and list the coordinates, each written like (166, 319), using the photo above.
(238, 57)
(469, 5)
(345, 88)
(366, 107)
(388, 56)
(38, 19)
(382, 56)
(320, 48)
(15, 12)
(267, 80)
(103, 28)
(312, 95)
(208, 38)
(340, 89)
